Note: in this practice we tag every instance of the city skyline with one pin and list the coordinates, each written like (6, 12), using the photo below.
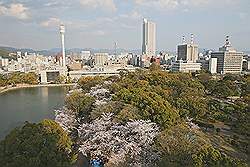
(98, 24)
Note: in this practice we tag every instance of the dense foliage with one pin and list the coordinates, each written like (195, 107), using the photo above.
(18, 78)
(182, 146)
(39, 145)
(156, 118)
(80, 104)
(169, 100)
(87, 82)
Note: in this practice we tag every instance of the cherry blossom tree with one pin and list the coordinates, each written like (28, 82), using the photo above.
(66, 119)
(126, 144)
(115, 141)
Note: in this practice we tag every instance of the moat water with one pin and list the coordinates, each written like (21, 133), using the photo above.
(29, 104)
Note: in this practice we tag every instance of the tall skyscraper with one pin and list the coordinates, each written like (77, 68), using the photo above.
(188, 52)
(62, 32)
(228, 59)
(149, 38)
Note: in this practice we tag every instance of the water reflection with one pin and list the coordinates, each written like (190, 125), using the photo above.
(29, 104)
(44, 95)
(45, 92)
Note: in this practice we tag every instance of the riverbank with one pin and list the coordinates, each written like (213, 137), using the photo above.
(20, 86)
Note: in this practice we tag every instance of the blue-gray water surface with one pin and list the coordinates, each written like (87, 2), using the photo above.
(29, 104)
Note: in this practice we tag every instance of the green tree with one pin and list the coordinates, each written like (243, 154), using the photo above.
(29, 78)
(204, 77)
(80, 104)
(151, 105)
(182, 146)
(37, 145)
(123, 112)
(211, 157)
(154, 67)
(60, 79)
(3, 80)
(87, 82)
(18, 78)
(177, 145)
(14, 78)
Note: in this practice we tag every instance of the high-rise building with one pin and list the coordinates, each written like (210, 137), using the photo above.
(188, 51)
(149, 38)
(100, 59)
(62, 32)
(228, 59)
(187, 56)
(212, 65)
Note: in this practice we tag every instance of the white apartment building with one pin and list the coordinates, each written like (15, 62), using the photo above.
(213, 65)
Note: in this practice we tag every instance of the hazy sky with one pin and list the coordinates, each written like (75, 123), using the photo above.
(99, 23)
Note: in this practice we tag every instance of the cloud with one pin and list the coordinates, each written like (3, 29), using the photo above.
(99, 33)
(51, 22)
(79, 25)
(173, 4)
(195, 2)
(16, 10)
(50, 4)
(106, 5)
(243, 15)
(160, 4)
(132, 15)
(91, 24)
(127, 26)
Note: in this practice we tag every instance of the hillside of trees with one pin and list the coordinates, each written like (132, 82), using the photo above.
(156, 118)
(4, 53)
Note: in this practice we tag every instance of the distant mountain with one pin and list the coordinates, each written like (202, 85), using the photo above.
(29, 50)
(54, 51)
(11, 49)
(93, 50)
(5, 54)
(246, 52)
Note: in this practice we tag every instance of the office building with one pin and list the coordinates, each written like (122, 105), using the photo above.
(228, 59)
(100, 59)
(188, 51)
(213, 65)
(149, 38)
(187, 56)
(181, 66)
